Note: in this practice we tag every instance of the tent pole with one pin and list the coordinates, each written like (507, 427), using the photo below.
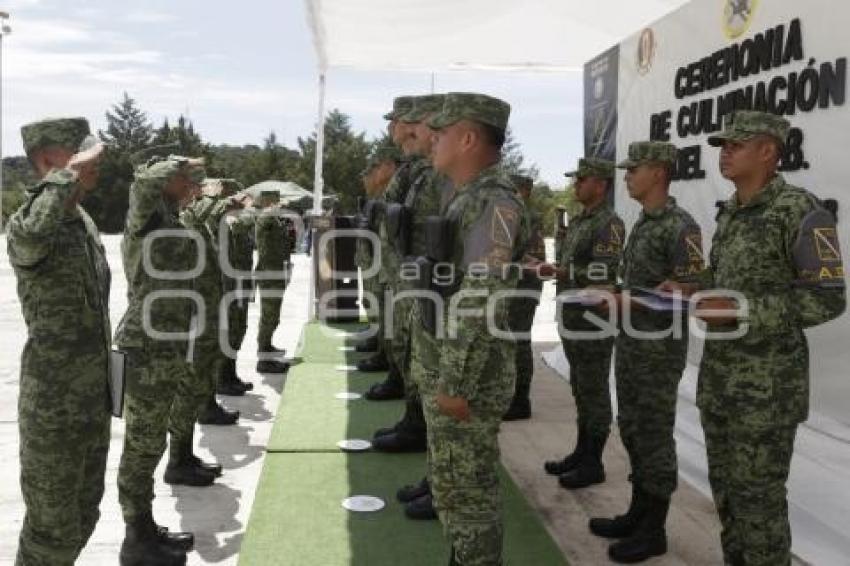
(318, 189)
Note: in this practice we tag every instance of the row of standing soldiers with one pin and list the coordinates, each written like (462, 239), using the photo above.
(438, 197)
(187, 253)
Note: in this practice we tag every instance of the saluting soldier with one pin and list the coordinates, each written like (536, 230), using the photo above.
(155, 333)
(63, 286)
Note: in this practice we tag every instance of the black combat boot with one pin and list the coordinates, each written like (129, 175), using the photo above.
(184, 468)
(215, 414)
(649, 539)
(590, 470)
(410, 492)
(520, 408)
(625, 525)
(378, 362)
(410, 434)
(421, 509)
(179, 540)
(145, 545)
(368, 345)
(390, 389)
(272, 366)
(229, 382)
(560, 467)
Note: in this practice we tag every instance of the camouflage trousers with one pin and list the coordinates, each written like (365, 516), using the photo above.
(400, 352)
(463, 458)
(63, 462)
(590, 368)
(153, 378)
(195, 387)
(647, 375)
(521, 320)
(269, 314)
(748, 469)
(237, 323)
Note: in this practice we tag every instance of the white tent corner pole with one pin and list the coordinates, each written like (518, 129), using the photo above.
(318, 179)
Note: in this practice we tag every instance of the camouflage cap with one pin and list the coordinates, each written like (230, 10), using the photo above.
(422, 107)
(68, 133)
(155, 151)
(473, 106)
(522, 181)
(745, 124)
(401, 105)
(593, 167)
(644, 152)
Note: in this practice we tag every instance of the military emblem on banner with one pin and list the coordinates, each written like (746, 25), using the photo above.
(737, 16)
(646, 51)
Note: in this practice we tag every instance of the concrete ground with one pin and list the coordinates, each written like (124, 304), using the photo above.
(693, 528)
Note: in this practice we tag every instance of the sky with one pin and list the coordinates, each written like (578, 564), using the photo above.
(238, 71)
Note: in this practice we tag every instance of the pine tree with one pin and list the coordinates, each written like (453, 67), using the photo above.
(128, 129)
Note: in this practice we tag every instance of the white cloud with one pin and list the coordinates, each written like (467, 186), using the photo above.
(149, 17)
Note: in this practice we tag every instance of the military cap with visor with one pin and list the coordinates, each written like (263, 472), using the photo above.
(67, 133)
(593, 167)
(423, 106)
(480, 108)
(743, 125)
(646, 152)
(401, 105)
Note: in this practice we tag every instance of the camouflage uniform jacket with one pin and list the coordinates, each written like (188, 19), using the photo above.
(664, 244)
(594, 237)
(241, 248)
(396, 193)
(63, 286)
(203, 216)
(491, 231)
(274, 245)
(590, 248)
(781, 252)
(173, 255)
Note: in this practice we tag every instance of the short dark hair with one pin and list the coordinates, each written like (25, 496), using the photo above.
(495, 137)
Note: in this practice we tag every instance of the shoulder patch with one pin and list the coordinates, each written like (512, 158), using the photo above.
(491, 240)
(610, 239)
(817, 254)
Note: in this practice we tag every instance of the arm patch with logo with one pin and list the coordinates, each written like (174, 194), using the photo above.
(816, 252)
(610, 239)
(688, 259)
(491, 240)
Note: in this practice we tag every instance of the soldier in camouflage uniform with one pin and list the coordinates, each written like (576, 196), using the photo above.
(156, 352)
(665, 243)
(274, 247)
(63, 286)
(196, 396)
(376, 177)
(393, 386)
(238, 225)
(523, 308)
(777, 246)
(413, 194)
(468, 388)
(590, 252)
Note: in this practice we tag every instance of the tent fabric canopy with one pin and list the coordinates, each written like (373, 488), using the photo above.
(439, 35)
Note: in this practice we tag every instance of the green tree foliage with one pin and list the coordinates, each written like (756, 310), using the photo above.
(18, 174)
(346, 153)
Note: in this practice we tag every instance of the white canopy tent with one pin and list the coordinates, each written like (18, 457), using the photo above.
(445, 35)
(551, 36)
